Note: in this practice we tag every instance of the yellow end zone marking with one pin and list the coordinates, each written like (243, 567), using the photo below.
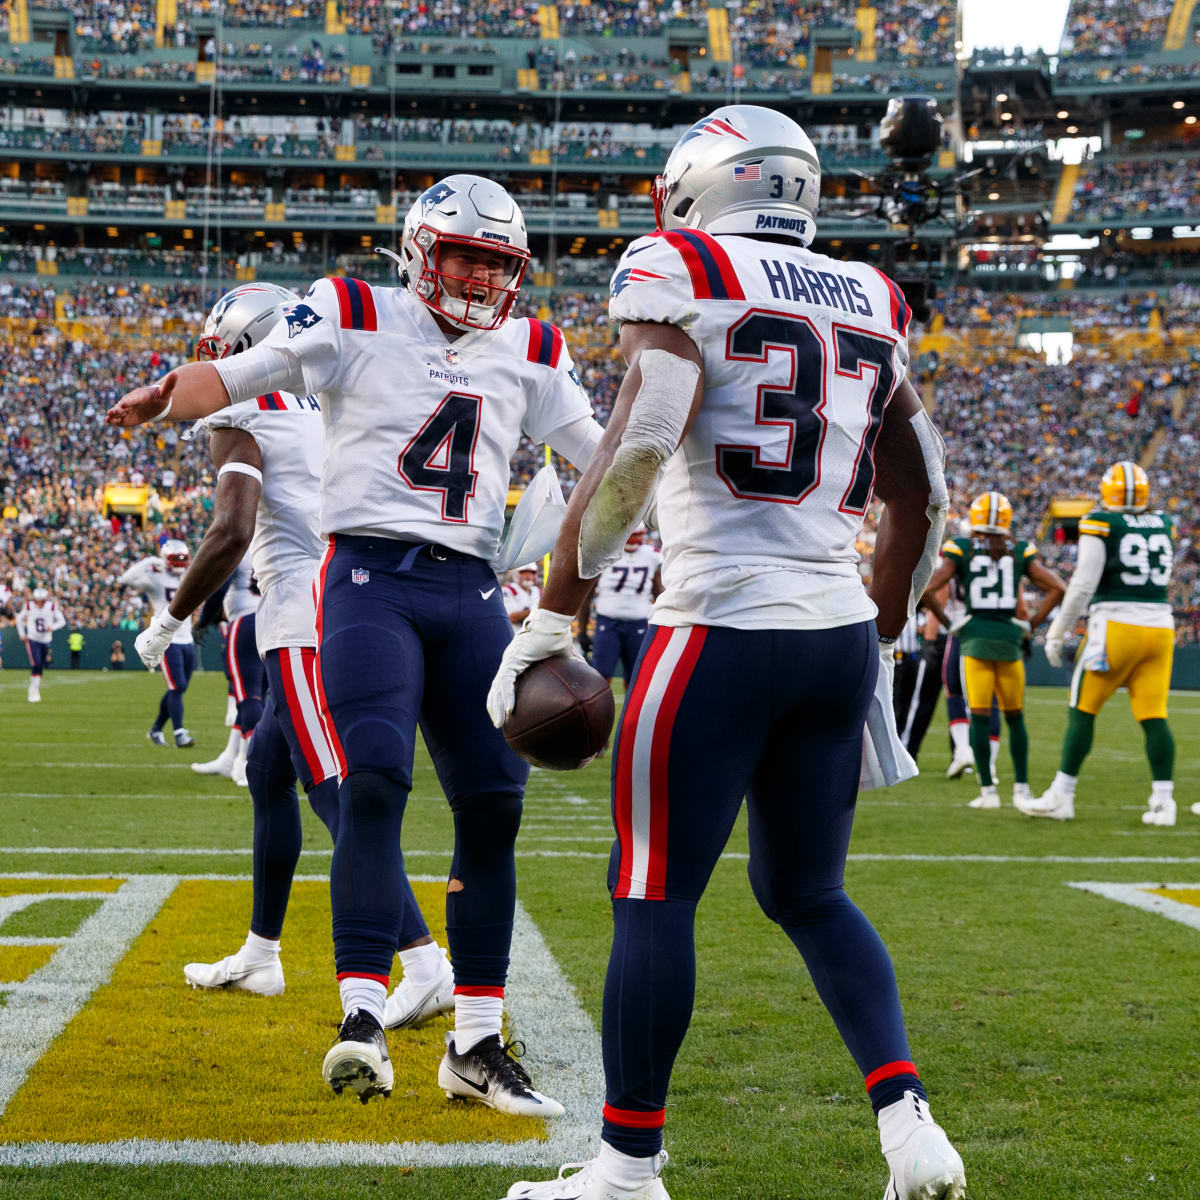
(227, 1066)
(1183, 895)
(19, 962)
(30, 887)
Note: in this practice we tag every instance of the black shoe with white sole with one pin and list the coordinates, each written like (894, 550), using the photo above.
(489, 1072)
(358, 1060)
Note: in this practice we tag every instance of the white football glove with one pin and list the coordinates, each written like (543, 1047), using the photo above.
(543, 635)
(1055, 636)
(1023, 626)
(151, 644)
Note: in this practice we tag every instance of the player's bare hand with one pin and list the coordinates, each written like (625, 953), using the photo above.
(143, 403)
(543, 635)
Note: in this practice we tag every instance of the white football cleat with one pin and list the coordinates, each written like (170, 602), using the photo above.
(1050, 803)
(924, 1165)
(989, 797)
(263, 979)
(959, 764)
(587, 1183)
(1022, 793)
(489, 1072)
(230, 713)
(409, 1006)
(1160, 812)
(238, 771)
(34, 694)
(1196, 810)
(358, 1060)
(221, 765)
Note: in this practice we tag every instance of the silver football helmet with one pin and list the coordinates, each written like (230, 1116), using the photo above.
(176, 555)
(40, 595)
(741, 169)
(466, 211)
(242, 318)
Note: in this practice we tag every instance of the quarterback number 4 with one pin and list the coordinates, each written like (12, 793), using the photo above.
(798, 405)
(441, 457)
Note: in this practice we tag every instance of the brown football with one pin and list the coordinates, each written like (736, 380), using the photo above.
(563, 715)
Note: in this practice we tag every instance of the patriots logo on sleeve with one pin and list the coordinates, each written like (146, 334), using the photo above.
(299, 318)
(627, 275)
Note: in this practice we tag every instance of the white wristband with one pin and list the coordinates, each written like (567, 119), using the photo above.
(162, 416)
(241, 468)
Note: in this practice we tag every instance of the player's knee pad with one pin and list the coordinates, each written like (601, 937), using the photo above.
(373, 799)
(249, 713)
(487, 820)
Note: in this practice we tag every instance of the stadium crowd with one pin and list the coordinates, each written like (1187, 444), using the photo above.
(1111, 28)
(1033, 431)
(1123, 187)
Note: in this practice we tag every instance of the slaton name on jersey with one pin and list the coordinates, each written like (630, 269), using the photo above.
(801, 355)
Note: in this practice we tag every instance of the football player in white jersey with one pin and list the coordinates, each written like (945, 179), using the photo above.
(767, 382)
(425, 390)
(624, 594)
(37, 619)
(158, 578)
(521, 592)
(265, 519)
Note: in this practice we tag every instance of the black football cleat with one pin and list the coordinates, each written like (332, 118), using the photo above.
(489, 1073)
(359, 1058)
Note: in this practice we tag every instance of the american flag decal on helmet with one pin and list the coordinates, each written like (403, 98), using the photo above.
(747, 173)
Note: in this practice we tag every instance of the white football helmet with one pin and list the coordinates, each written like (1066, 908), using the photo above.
(242, 318)
(741, 169)
(40, 595)
(176, 555)
(464, 210)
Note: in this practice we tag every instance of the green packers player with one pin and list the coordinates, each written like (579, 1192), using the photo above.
(994, 639)
(1124, 565)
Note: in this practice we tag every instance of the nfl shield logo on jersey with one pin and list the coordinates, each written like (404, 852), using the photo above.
(452, 356)
(359, 576)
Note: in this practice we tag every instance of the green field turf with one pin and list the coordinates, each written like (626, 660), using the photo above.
(1057, 1031)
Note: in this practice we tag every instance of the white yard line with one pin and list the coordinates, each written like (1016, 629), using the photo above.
(542, 1008)
(1137, 896)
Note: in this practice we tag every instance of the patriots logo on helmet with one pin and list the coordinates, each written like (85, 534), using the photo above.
(627, 275)
(299, 318)
(438, 194)
(713, 125)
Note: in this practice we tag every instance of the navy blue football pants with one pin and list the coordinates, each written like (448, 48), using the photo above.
(245, 671)
(289, 743)
(37, 652)
(409, 635)
(178, 663)
(715, 716)
(617, 642)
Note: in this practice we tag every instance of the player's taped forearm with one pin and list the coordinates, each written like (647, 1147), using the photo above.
(259, 371)
(656, 422)
(933, 451)
(1089, 568)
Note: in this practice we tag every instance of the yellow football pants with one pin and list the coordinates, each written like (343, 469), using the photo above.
(1139, 658)
(984, 678)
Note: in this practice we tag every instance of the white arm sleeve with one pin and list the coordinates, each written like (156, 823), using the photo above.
(577, 441)
(134, 575)
(21, 631)
(1088, 570)
(933, 450)
(258, 371)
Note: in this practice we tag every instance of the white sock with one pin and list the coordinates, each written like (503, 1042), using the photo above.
(243, 746)
(625, 1169)
(1065, 784)
(366, 994)
(960, 735)
(475, 1018)
(422, 964)
(994, 751)
(1162, 789)
(259, 950)
(232, 744)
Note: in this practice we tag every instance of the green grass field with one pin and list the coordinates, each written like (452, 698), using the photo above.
(1057, 1030)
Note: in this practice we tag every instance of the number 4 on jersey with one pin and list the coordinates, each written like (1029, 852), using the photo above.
(441, 457)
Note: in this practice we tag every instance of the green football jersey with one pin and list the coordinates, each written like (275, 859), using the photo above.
(1139, 550)
(990, 589)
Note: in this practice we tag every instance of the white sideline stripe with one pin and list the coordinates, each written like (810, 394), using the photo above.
(28, 1024)
(29, 941)
(541, 1005)
(1137, 896)
(736, 855)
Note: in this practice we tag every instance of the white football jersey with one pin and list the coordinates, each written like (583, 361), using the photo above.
(241, 599)
(420, 431)
(287, 544)
(625, 591)
(518, 599)
(760, 507)
(37, 622)
(158, 583)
